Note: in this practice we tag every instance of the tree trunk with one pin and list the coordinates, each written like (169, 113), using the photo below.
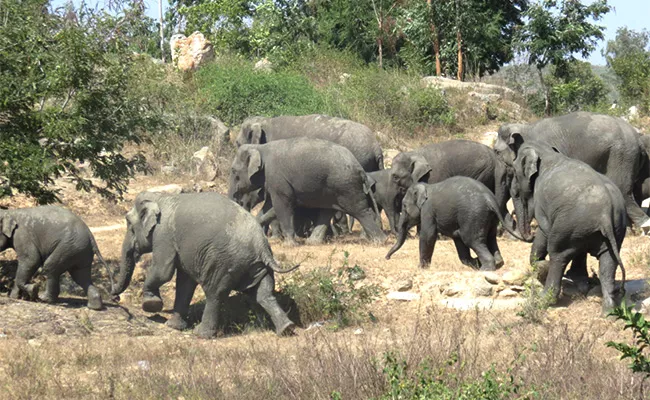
(460, 55)
(436, 44)
(547, 94)
(380, 41)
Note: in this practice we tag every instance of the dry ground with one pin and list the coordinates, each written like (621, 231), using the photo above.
(68, 351)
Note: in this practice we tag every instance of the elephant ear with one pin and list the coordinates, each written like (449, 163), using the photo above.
(420, 193)
(419, 168)
(254, 162)
(530, 164)
(369, 185)
(257, 134)
(515, 142)
(9, 225)
(149, 215)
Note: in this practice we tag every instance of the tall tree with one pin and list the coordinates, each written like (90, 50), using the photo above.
(557, 30)
(629, 57)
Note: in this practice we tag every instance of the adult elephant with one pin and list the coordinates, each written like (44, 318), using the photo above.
(356, 137)
(607, 144)
(205, 239)
(439, 161)
(642, 184)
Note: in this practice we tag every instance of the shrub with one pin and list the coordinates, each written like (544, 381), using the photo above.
(536, 301)
(640, 328)
(324, 295)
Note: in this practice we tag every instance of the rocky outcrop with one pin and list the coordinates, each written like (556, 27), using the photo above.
(189, 53)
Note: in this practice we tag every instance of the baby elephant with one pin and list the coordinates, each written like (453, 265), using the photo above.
(58, 241)
(459, 207)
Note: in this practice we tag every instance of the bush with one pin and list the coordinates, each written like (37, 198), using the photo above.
(322, 295)
(640, 328)
(233, 91)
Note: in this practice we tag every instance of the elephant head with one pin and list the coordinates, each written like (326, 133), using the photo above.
(8, 226)
(251, 132)
(412, 204)
(246, 173)
(408, 169)
(141, 222)
(251, 199)
(504, 137)
(526, 165)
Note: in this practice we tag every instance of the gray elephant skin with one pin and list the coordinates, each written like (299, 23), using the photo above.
(205, 239)
(607, 144)
(642, 185)
(308, 173)
(459, 207)
(439, 161)
(356, 137)
(386, 197)
(579, 212)
(56, 240)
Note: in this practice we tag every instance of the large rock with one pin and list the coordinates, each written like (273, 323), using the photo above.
(516, 277)
(204, 164)
(263, 65)
(189, 53)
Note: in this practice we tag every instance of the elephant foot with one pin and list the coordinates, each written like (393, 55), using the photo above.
(177, 322)
(287, 329)
(152, 304)
(32, 292)
(15, 293)
(488, 268)
(47, 298)
(424, 265)
(94, 299)
(498, 261)
(205, 332)
(471, 262)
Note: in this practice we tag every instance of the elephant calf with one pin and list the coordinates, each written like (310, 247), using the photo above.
(386, 197)
(57, 240)
(205, 239)
(306, 173)
(459, 207)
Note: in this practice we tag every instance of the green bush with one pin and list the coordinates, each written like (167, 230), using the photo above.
(640, 328)
(233, 91)
(324, 295)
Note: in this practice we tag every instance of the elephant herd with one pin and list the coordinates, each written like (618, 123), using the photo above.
(581, 176)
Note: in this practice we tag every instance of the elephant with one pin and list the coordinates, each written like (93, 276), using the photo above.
(205, 239)
(56, 240)
(386, 196)
(578, 210)
(607, 144)
(459, 207)
(308, 173)
(642, 185)
(438, 161)
(356, 137)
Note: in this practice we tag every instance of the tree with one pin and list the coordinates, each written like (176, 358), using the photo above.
(556, 30)
(64, 85)
(629, 57)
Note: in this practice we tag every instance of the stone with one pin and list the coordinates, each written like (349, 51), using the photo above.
(344, 78)
(403, 296)
(645, 305)
(515, 277)
(263, 65)
(517, 289)
(168, 170)
(508, 293)
(204, 165)
(491, 277)
(220, 131)
(359, 331)
(405, 285)
(389, 154)
(451, 291)
(189, 53)
(483, 289)
(167, 189)
(489, 138)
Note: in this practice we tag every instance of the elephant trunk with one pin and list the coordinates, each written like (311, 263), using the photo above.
(403, 229)
(523, 219)
(127, 263)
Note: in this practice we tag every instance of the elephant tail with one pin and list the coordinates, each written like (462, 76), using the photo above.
(379, 157)
(607, 231)
(368, 183)
(271, 263)
(494, 207)
(109, 270)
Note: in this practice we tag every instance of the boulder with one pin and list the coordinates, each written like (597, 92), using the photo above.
(403, 296)
(189, 53)
(482, 289)
(516, 277)
(491, 277)
(344, 78)
(508, 293)
(167, 189)
(405, 285)
(263, 65)
(204, 165)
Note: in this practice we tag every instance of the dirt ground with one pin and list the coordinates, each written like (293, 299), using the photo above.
(35, 335)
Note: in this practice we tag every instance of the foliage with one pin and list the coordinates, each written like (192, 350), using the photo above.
(555, 31)
(321, 295)
(636, 352)
(66, 99)
(629, 57)
(426, 382)
(536, 302)
(233, 91)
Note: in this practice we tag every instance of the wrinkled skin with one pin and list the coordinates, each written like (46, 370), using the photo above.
(436, 162)
(356, 137)
(459, 207)
(58, 241)
(205, 239)
(579, 212)
(607, 144)
(306, 173)
(387, 196)
(642, 185)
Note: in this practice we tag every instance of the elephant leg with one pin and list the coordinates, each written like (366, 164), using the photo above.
(160, 272)
(185, 287)
(485, 257)
(264, 296)
(538, 253)
(210, 320)
(493, 246)
(368, 220)
(52, 288)
(428, 238)
(340, 223)
(557, 264)
(578, 273)
(464, 254)
(319, 234)
(607, 273)
(27, 266)
(285, 213)
(82, 277)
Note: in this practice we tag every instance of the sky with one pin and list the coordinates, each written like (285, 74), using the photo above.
(635, 14)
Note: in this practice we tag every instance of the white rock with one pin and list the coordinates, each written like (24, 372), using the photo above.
(405, 285)
(168, 189)
(508, 293)
(144, 365)
(403, 296)
(263, 65)
(491, 277)
(358, 331)
(189, 53)
(515, 277)
(344, 77)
